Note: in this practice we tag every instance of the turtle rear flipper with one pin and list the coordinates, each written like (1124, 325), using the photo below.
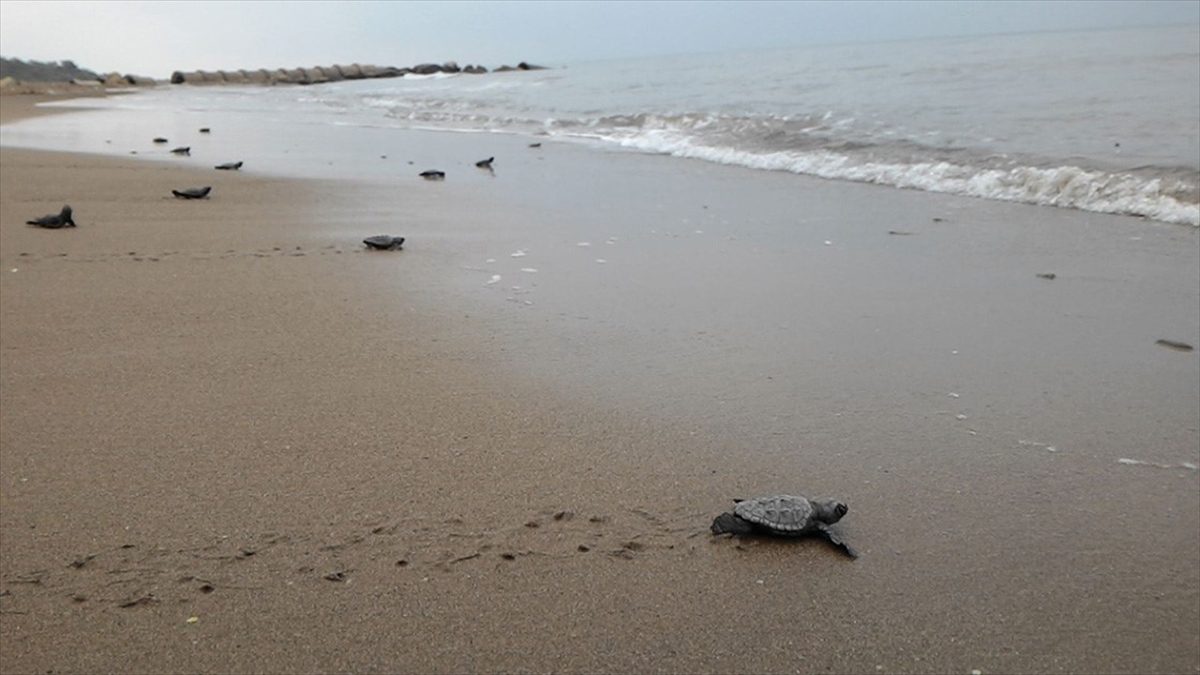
(836, 540)
(727, 523)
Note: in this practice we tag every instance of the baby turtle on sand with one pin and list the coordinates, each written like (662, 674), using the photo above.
(229, 166)
(384, 242)
(433, 175)
(54, 221)
(192, 193)
(785, 516)
(182, 151)
(485, 163)
(1169, 344)
(160, 139)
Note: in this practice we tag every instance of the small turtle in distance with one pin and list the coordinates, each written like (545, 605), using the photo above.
(485, 163)
(182, 151)
(433, 175)
(384, 242)
(229, 166)
(192, 193)
(54, 221)
(785, 516)
(1169, 344)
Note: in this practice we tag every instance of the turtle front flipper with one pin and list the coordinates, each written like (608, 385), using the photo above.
(727, 523)
(834, 539)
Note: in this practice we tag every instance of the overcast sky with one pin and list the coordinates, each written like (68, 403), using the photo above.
(156, 38)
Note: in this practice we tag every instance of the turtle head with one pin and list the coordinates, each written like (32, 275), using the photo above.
(829, 511)
(65, 216)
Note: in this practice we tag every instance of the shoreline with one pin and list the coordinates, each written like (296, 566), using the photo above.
(377, 462)
(273, 142)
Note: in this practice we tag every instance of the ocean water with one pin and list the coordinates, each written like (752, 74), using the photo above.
(1101, 121)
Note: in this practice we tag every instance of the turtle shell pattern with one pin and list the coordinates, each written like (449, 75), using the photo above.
(782, 513)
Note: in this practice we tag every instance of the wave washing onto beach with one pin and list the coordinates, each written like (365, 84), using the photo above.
(1055, 120)
(1164, 193)
(1152, 192)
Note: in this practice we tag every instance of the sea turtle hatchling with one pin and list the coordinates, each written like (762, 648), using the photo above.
(54, 221)
(193, 193)
(384, 242)
(785, 516)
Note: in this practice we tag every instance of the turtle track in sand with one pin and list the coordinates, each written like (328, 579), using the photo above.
(131, 574)
(160, 256)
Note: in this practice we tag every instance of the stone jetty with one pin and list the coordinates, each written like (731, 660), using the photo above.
(321, 74)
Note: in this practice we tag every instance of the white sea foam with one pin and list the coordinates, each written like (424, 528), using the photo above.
(1138, 462)
(1063, 186)
(430, 76)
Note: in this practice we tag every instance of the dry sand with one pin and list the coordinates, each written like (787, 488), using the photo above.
(227, 446)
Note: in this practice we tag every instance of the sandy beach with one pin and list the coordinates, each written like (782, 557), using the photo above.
(234, 440)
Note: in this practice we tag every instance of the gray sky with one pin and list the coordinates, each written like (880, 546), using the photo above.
(156, 38)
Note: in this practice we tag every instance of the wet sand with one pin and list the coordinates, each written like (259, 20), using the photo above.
(235, 441)
(22, 101)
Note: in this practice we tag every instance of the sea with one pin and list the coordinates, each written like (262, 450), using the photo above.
(1103, 121)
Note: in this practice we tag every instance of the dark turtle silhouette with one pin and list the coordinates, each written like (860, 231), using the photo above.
(192, 193)
(54, 221)
(785, 516)
(205, 130)
(160, 139)
(384, 242)
(182, 151)
(433, 175)
(535, 145)
(1169, 344)
(485, 163)
(229, 166)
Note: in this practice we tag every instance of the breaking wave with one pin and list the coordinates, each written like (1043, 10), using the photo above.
(1146, 192)
(842, 148)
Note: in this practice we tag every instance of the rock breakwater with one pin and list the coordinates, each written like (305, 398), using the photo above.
(335, 73)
